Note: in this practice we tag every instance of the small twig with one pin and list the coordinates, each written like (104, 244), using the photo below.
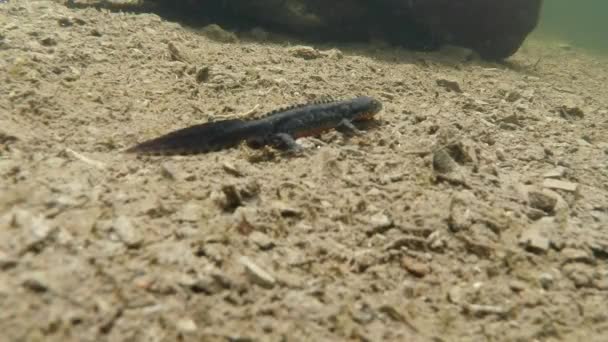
(84, 159)
(420, 153)
(537, 63)
(250, 112)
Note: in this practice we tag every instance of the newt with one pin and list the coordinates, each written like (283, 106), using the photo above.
(279, 128)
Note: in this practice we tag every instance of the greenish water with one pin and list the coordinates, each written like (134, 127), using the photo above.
(581, 23)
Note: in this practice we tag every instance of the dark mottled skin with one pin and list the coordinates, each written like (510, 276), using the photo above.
(278, 128)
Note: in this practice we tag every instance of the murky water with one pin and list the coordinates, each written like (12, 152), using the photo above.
(581, 23)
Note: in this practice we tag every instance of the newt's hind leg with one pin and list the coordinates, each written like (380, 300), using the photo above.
(284, 141)
(346, 127)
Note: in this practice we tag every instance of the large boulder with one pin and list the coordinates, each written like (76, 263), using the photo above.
(493, 28)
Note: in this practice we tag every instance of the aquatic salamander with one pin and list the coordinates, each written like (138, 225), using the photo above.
(279, 128)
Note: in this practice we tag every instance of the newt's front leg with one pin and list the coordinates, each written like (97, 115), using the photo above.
(346, 127)
(285, 141)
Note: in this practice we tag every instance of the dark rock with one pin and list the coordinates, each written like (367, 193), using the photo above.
(493, 28)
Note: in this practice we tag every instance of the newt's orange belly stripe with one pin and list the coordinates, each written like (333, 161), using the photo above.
(318, 130)
(310, 132)
(364, 116)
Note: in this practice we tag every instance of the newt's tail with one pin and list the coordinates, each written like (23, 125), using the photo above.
(203, 138)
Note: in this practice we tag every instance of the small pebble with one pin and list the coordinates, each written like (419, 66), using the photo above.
(35, 284)
(186, 325)
(415, 267)
(217, 33)
(231, 169)
(517, 286)
(449, 85)
(123, 227)
(190, 212)
(257, 274)
(560, 185)
(484, 310)
(461, 215)
(379, 223)
(262, 240)
(542, 201)
(48, 41)
(169, 171)
(305, 52)
(455, 295)
(558, 172)
(285, 210)
(7, 262)
(546, 280)
(535, 238)
(576, 255)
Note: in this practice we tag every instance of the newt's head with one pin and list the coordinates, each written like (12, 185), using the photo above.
(365, 107)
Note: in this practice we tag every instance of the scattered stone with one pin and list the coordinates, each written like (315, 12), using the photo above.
(65, 22)
(535, 214)
(500, 154)
(333, 54)
(231, 169)
(583, 142)
(175, 53)
(579, 274)
(542, 201)
(37, 230)
(203, 74)
(285, 210)
(571, 112)
(536, 238)
(513, 96)
(460, 213)
(262, 240)
(123, 227)
(436, 241)
(203, 284)
(363, 314)
(217, 33)
(7, 262)
(546, 280)
(233, 196)
(560, 185)
(484, 310)
(169, 171)
(257, 274)
(190, 212)
(415, 267)
(455, 295)
(601, 284)
(517, 286)
(396, 315)
(443, 162)
(379, 223)
(411, 242)
(449, 85)
(558, 172)
(576, 255)
(7, 138)
(186, 325)
(305, 52)
(35, 283)
(48, 41)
